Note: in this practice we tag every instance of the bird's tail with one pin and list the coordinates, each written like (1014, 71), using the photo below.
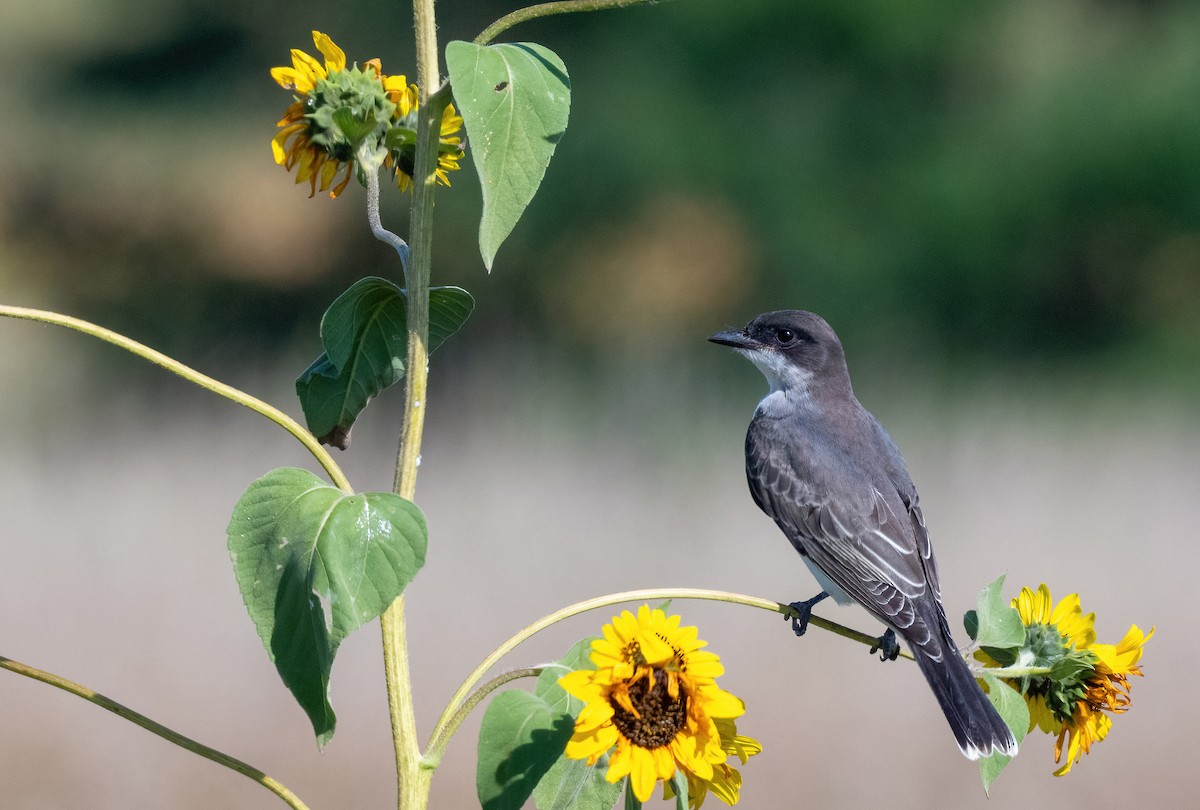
(975, 723)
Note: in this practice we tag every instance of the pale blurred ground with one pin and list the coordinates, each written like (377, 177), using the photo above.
(114, 573)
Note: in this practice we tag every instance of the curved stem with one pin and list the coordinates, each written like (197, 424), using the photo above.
(443, 723)
(437, 747)
(371, 170)
(547, 9)
(156, 728)
(204, 381)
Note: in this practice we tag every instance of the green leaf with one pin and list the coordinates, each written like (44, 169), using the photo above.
(578, 657)
(354, 128)
(1070, 666)
(364, 333)
(514, 100)
(631, 801)
(999, 625)
(313, 565)
(971, 622)
(572, 783)
(1014, 711)
(520, 738)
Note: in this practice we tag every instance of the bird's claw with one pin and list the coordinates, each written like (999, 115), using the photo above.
(887, 646)
(804, 613)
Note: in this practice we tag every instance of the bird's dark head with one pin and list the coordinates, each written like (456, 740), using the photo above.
(790, 347)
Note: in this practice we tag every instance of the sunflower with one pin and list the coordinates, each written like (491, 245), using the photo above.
(294, 145)
(653, 696)
(1087, 681)
(338, 109)
(1107, 691)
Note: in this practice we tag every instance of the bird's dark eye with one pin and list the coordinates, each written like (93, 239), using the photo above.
(785, 336)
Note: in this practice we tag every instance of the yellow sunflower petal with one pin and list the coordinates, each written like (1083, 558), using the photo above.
(308, 69)
(620, 763)
(726, 784)
(719, 703)
(292, 79)
(586, 746)
(642, 773)
(664, 763)
(335, 57)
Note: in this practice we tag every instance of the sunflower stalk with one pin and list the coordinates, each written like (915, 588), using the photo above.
(413, 780)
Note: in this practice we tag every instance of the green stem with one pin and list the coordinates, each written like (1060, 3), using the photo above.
(170, 364)
(547, 9)
(1017, 672)
(437, 747)
(156, 728)
(412, 780)
(371, 170)
(439, 738)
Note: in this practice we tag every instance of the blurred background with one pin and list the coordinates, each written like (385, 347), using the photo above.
(996, 204)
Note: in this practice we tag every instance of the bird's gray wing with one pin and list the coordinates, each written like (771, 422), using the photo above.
(901, 480)
(860, 537)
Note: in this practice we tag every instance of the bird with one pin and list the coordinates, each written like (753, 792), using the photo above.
(832, 478)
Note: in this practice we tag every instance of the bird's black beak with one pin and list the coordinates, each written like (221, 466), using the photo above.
(738, 340)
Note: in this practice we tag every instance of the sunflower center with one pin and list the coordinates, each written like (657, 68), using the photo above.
(661, 716)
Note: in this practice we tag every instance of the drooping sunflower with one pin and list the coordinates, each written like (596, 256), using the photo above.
(654, 698)
(296, 144)
(1088, 682)
(336, 109)
(1107, 690)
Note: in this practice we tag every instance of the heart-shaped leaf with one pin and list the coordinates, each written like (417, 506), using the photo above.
(313, 565)
(519, 739)
(515, 100)
(364, 333)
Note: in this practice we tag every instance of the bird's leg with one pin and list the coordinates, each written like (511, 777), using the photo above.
(804, 609)
(888, 647)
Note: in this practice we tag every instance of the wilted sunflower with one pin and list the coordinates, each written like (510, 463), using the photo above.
(1088, 681)
(1107, 691)
(337, 109)
(653, 696)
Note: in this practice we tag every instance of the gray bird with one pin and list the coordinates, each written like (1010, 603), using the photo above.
(834, 481)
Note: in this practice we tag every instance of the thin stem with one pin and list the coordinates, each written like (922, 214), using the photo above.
(413, 780)
(438, 747)
(1017, 672)
(547, 9)
(443, 723)
(156, 728)
(204, 381)
(371, 170)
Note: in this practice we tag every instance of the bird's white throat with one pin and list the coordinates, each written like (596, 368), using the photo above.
(788, 381)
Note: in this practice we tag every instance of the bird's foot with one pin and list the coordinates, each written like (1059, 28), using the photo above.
(887, 646)
(804, 611)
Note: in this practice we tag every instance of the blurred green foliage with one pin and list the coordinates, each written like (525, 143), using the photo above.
(988, 180)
